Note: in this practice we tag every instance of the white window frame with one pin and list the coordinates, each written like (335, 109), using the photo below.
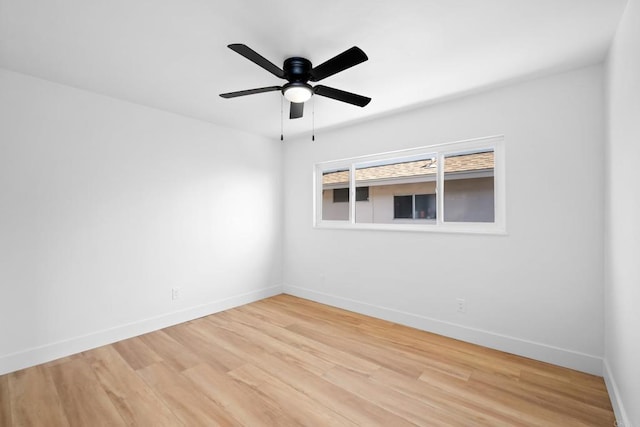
(439, 151)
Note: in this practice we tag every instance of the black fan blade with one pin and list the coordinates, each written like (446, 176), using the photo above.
(341, 95)
(250, 91)
(296, 110)
(256, 58)
(346, 59)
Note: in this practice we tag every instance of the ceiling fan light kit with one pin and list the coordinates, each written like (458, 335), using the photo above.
(297, 92)
(298, 72)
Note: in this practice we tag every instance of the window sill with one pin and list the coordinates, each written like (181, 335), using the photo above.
(454, 228)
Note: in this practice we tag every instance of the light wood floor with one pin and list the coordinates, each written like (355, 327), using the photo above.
(286, 361)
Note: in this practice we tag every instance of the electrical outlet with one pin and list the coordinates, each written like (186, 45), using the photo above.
(462, 305)
(175, 293)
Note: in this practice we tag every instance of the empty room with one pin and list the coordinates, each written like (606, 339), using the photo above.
(278, 213)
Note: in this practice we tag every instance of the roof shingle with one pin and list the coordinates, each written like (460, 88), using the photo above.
(416, 168)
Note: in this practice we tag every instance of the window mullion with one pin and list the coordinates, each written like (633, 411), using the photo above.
(440, 189)
(352, 193)
(413, 206)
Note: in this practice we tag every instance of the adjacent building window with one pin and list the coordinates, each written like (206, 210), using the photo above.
(341, 195)
(416, 206)
(402, 207)
(362, 194)
(449, 187)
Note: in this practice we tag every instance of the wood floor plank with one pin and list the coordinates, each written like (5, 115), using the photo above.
(193, 409)
(34, 398)
(412, 410)
(277, 319)
(137, 353)
(537, 413)
(5, 402)
(239, 399)
(450, 400)
(451, 359)
(82, 396)
(352, 406)
(365, 349)
(290, 352)
(555, 399)
(136, 403)
(172, 352)
(321, 312)
(286, 361)
(331, 354)
(207, 350)
(577, 391)
(63, 360)
(495, 400)
(561, 374)
(301, 407)
(324, 393)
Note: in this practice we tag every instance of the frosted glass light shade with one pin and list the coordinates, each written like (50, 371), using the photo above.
(298, 93)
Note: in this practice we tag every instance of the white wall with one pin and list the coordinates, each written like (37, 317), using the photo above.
(537, 291)
(106, 205)
(622, 226)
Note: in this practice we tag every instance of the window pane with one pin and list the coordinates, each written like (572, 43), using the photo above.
(425, 206)
(335, 195)
(362, 194)
(469, 187)
(340, 195)
(403, 206)
(391, 185)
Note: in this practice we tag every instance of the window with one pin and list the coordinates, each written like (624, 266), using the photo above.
(456, 187)
(341, 195)
(402, 207)
(362, 194)
(417, 206)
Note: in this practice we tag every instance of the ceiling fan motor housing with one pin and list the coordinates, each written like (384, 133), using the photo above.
(297, 69)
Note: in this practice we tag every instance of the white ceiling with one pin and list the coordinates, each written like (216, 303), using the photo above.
(172, 54)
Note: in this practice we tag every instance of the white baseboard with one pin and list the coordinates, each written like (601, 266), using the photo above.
(45, 353)
(622, 420)
(534, 350)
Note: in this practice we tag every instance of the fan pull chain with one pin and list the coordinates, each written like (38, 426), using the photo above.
(313, 119)
(281, 118)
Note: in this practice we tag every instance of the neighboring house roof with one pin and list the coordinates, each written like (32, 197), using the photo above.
(414, 169)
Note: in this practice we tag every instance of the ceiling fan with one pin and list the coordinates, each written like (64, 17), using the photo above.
(298, 72)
